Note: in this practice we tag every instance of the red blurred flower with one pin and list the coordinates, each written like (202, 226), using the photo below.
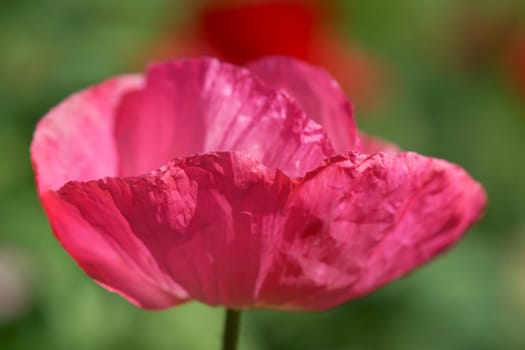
(242, 31)
(516, 60)
(246, 31)
(486, 36)
(482, 35)
(265, 195)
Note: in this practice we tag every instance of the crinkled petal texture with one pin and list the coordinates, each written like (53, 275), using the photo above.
(203, 105)
(360, 221)
(318, 94)
(248, 207)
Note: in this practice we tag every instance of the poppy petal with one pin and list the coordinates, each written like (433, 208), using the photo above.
(109, 253)
(207, 222)
(361, 221)
(75, 140)
(201, 105)
(318, 95)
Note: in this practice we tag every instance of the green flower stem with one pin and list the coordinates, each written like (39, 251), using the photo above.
(231, 329)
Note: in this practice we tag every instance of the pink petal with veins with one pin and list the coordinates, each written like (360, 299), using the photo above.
(201, 105)
(75, 141)
(203, 226)
(318, 94)
(104, 246)
(226, 230)
(376, 218)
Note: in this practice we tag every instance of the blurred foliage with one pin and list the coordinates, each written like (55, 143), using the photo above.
(471, 298)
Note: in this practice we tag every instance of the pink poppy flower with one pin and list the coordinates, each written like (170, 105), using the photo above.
(243, 187)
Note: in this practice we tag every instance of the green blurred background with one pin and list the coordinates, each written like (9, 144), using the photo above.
(449, 94)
